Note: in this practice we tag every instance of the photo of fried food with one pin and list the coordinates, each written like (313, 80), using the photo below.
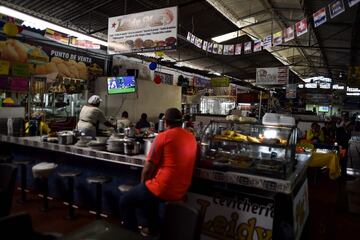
(139, 43)
(149, 43)
(170, 41)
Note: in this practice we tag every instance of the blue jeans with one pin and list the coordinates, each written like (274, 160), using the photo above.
(140, 200)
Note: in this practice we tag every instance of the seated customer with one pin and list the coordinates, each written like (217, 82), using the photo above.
(143, 122)
(124, 121)
(166, 175)
(315, 134)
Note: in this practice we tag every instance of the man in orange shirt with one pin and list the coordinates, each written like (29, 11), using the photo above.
(166, 175)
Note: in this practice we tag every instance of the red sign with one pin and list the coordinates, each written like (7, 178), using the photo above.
(301, 27)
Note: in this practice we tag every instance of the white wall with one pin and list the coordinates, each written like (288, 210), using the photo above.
(150, 98)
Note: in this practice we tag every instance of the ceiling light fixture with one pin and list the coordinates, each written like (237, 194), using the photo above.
(30, 21)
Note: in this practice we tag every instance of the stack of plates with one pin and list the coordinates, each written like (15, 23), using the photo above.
(94, 145)
(115, 145)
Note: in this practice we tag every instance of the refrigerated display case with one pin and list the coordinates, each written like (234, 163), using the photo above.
(249, 148)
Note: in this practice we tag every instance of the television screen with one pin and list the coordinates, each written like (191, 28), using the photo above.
(118, 85)
(323, 109)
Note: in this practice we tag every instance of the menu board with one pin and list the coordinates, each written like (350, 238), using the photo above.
(143, 32)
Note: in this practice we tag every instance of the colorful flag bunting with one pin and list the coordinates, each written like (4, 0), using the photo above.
(210, 47)
(277, 38)
(289, 34)
(205, 45)
(336, 7)
(257, 46)
(353, 2)
(238, 48)
(267, 42)
(301, 27)
(319, 17)
(248, 47)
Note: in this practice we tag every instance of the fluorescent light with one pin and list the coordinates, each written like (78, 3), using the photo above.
(350, 89)
(215, 73)
(270, 133)
(34, 22)
(353, 93)
(318, 79)
(227, 36)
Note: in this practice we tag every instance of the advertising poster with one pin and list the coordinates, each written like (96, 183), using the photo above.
(272, 76)
(289, 34)
(149, 31)
(215, 48)
(238, 48)
(336, 7)
(192, 39)
(220, 49)
(267, 42)
(248, 47)
(277, 38)
(301, 27)
(353, 2)
(229, 216)
(319, 17)
(257, 45)
(189, 36)
(165, 78)
(220, 81)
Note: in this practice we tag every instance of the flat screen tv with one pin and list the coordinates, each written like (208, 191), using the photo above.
(323, 109)
(119, 85)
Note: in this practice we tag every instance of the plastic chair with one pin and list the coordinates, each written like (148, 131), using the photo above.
(7, 187)
(181, 222)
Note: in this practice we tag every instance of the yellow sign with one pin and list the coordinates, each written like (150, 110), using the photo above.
(220, 82)
(4, 67)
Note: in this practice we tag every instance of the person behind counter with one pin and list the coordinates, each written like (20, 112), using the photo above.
(124, 121)
(143, 122)
(37, 125)
(91, 116)
(315, 134)
(166, 175)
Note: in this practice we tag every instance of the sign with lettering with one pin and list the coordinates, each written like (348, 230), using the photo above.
(149, 31)
(228, 217)
(165, 78)
(272, 76)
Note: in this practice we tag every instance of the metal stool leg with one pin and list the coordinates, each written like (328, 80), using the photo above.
(98, 200)
(71, 211)
(45, 186)
(23, 183)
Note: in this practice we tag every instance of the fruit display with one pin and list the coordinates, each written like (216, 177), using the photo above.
(236, 136)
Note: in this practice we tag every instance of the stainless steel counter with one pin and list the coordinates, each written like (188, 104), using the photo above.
(260, 182)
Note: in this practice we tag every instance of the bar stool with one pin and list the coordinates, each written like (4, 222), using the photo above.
(70, 176)
(42, 171)
(99, 181)
(23, 178)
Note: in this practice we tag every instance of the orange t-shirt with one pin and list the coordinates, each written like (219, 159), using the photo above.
(174, 154)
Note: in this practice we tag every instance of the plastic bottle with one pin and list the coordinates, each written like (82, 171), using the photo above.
(10, 128)
(161, 125)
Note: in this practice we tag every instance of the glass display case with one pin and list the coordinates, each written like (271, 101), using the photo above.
(250, 148)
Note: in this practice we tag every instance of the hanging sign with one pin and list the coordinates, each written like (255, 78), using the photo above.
(4, 67)
(257, 45)
(272, 76)
(267, 42)
(165, 78)
(336, 7)
(248, 47)
(229, 49)
(210, 47)
(353, 2)
(319, 17)
(198, 42)
(278, 38)
(205, 45)
(220, 82)
(289, 34)
(56, 36)
(149, 31)
(238, 48)
(301, 27)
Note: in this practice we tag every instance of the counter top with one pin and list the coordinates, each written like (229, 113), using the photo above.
(266, 183)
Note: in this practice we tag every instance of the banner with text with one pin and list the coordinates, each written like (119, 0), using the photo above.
(143, 32)
(228, 217)
(272, 76)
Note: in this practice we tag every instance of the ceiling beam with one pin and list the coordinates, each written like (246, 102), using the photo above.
(89, 10)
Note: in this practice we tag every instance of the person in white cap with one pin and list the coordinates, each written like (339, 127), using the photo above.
(91, 116)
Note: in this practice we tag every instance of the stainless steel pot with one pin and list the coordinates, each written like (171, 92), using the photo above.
(66, 137)
(147, 145)
(132, 148)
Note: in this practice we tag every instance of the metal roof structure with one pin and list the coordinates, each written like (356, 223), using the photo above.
(327, 50)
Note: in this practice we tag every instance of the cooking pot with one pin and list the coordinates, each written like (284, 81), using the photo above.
(132, 148)
(129, 132)
(147, 145)
(66, 137)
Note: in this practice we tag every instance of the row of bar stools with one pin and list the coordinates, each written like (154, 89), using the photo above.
(23, 178)
(99, 181)
(70, 176)
(42, 171)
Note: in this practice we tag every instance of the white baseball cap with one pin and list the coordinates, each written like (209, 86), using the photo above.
(94, 99)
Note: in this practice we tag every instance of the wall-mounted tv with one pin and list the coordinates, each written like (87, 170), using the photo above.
(323, 109)
(119, 85)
